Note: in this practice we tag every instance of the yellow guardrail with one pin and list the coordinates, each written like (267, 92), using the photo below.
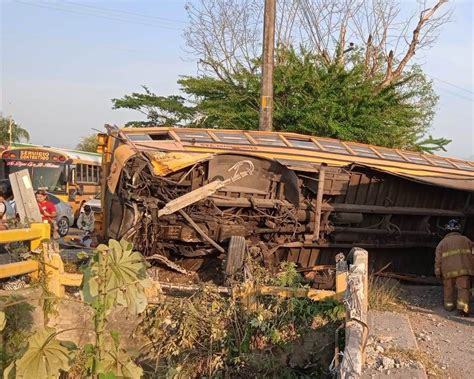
(36, 234)
(50, 261)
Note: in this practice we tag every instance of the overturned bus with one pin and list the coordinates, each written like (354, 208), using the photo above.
(181, 194)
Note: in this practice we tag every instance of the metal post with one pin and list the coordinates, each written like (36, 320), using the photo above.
(319, 202)
(266, 100)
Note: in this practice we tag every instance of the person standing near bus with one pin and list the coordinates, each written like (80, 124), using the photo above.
(6, 211)
(48, 211)
(454, 264)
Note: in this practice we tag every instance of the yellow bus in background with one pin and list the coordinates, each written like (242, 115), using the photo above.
(73, 176)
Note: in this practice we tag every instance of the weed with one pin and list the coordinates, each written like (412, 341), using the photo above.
(413, 356)
(384, 294)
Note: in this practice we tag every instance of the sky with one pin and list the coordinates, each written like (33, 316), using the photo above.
(63, 61)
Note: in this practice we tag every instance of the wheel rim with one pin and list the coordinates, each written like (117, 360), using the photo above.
(63, 227)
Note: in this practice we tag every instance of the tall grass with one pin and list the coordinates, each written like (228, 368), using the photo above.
(384, 294)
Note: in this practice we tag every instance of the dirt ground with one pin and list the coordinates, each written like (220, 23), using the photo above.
(445, 336)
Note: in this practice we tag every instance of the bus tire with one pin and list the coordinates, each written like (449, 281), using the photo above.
(234, 260)
(63, 226)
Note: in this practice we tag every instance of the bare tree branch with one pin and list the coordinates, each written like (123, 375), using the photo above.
(226, 34)
(391, 75)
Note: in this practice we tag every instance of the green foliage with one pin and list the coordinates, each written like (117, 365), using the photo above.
(18, 133)
(44, 357)
(18, 323)
(209, 335)
(430, 144)
(115, 275)
(117, 362)
(88, 143)
(315, 98)
(288, 276)
(159, 110)
(125, 278)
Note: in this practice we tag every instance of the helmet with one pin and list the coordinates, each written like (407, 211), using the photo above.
(453, 225)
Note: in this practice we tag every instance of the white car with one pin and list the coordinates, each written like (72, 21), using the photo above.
(94, 203)
(64, 213)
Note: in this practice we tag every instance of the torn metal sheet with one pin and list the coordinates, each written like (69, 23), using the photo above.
(121, 155)
(165, 163)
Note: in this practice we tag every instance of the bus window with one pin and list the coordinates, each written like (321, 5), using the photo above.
(50, 177)
(79, 173)
(268, 139)
(194, 136)
(302, 143)
(161, 137)
(138, 137)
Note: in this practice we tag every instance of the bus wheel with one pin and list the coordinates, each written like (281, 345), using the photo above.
(234, 260)
(63, 226)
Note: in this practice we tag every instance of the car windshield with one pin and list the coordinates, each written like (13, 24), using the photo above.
(48, 178)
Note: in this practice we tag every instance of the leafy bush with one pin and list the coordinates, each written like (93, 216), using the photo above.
(114, 276)
(208, 335)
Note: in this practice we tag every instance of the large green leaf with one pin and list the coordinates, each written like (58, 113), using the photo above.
(125, 277)
(118, 362)
(44, 357)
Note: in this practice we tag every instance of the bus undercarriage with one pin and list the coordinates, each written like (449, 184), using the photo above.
(231, 204)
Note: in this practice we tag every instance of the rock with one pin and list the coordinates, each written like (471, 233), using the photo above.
(385, 339)
(379, 348)
(388, 363)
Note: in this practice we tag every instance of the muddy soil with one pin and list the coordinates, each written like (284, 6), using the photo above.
(445, 336)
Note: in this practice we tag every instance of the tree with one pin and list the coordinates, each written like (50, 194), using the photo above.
(311, 97)
(350, 78)
(18, 133)
(88, 143)
(159, 110)
(225, 35)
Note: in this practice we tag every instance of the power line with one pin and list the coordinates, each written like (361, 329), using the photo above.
(126, 12)
(454, 85)
(85, 13)
(456, 94)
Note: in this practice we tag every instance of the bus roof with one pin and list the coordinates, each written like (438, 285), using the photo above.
(297, 147)
(71, 153)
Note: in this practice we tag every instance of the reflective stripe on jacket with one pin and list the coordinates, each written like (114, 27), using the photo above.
(454, 256)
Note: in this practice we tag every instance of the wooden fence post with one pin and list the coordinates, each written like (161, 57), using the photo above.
(356, 301)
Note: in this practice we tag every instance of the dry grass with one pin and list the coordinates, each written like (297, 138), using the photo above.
(412, 355)
(71, 267)
(384, 294)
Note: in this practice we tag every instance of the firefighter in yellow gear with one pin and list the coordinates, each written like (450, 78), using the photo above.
(454, 264)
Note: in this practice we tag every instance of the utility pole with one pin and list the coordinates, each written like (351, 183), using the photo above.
(266, 98)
